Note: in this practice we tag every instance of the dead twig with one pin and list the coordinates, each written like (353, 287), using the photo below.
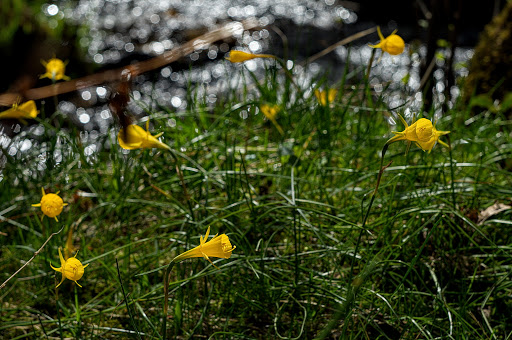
(33, 257)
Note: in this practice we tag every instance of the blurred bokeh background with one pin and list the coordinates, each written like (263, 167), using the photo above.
(99, 35)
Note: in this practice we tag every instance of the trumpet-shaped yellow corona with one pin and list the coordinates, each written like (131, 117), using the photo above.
(136, 137)
(55, 69)
(241, 56)
(429, 145)
(51, 205)
(219, 246)
(71, 269)
(393, 44)
(27, 110)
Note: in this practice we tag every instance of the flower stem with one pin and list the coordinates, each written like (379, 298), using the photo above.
(77, 306)
(58, 313)
(379, 177)
(451, 172)
(167, 276)
(126, 302)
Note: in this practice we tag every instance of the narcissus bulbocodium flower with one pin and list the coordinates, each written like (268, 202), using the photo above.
(429, 145)
(325, 97)
(51, 205)
(55, 69)
(271, 111)
(71, 269)
(240, 56)
(219, 246)
(393, 44)
(136, 137)
(27, 110)
(419, 131)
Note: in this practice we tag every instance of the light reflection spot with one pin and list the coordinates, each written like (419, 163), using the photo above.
(101, 91)
(165, 72)
(98, 58)
(251, 65)
(52, 10)
(212, 54)
(105, 114)
(255, 46)
(155, 19)
(194, 56)
(84, 118)
(176, 101)
(129, 47)
(86, 95)
(137, 11)
(89, 150)
(157, 47)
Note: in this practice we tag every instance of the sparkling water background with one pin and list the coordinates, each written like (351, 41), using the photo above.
(117, 32)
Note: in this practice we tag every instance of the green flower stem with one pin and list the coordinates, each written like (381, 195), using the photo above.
(58, 312)
(355, 283)
(126, 302)
(77, 307)
(167, 277)
(452, 172)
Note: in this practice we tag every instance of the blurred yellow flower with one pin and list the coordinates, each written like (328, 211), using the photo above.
(240, 56)
(219, 246)
(271, 111)
(71, 269)
(51, 205)
(326, 96)
(393, 44)
(136, 137)
(429, 145)
(55, 69)
(27, 110)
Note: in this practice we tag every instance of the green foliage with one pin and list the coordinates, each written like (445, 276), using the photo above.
(424, 266)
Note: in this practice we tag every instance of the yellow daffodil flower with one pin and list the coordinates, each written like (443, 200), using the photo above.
(136, 137)
(51, 205)
(219, 246)
(55, 69)
(71, 269)
(326, 97)
(271, 111)
(419, 131)
(429, 145)
(240, 56)
(27, 110)
(393, 44)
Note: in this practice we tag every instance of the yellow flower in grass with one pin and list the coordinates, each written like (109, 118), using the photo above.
(393, 44)
(219, 246)
(27, 110)
(55, 69)
(51, 205)
(419, 131)
(429, 145)
(136, 137)
(71, 269)
(326, 97)
(271, 111)
(240, 56)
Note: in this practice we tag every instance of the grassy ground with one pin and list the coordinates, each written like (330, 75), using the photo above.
(422, 267)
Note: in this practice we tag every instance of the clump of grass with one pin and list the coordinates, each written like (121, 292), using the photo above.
(293, 203)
